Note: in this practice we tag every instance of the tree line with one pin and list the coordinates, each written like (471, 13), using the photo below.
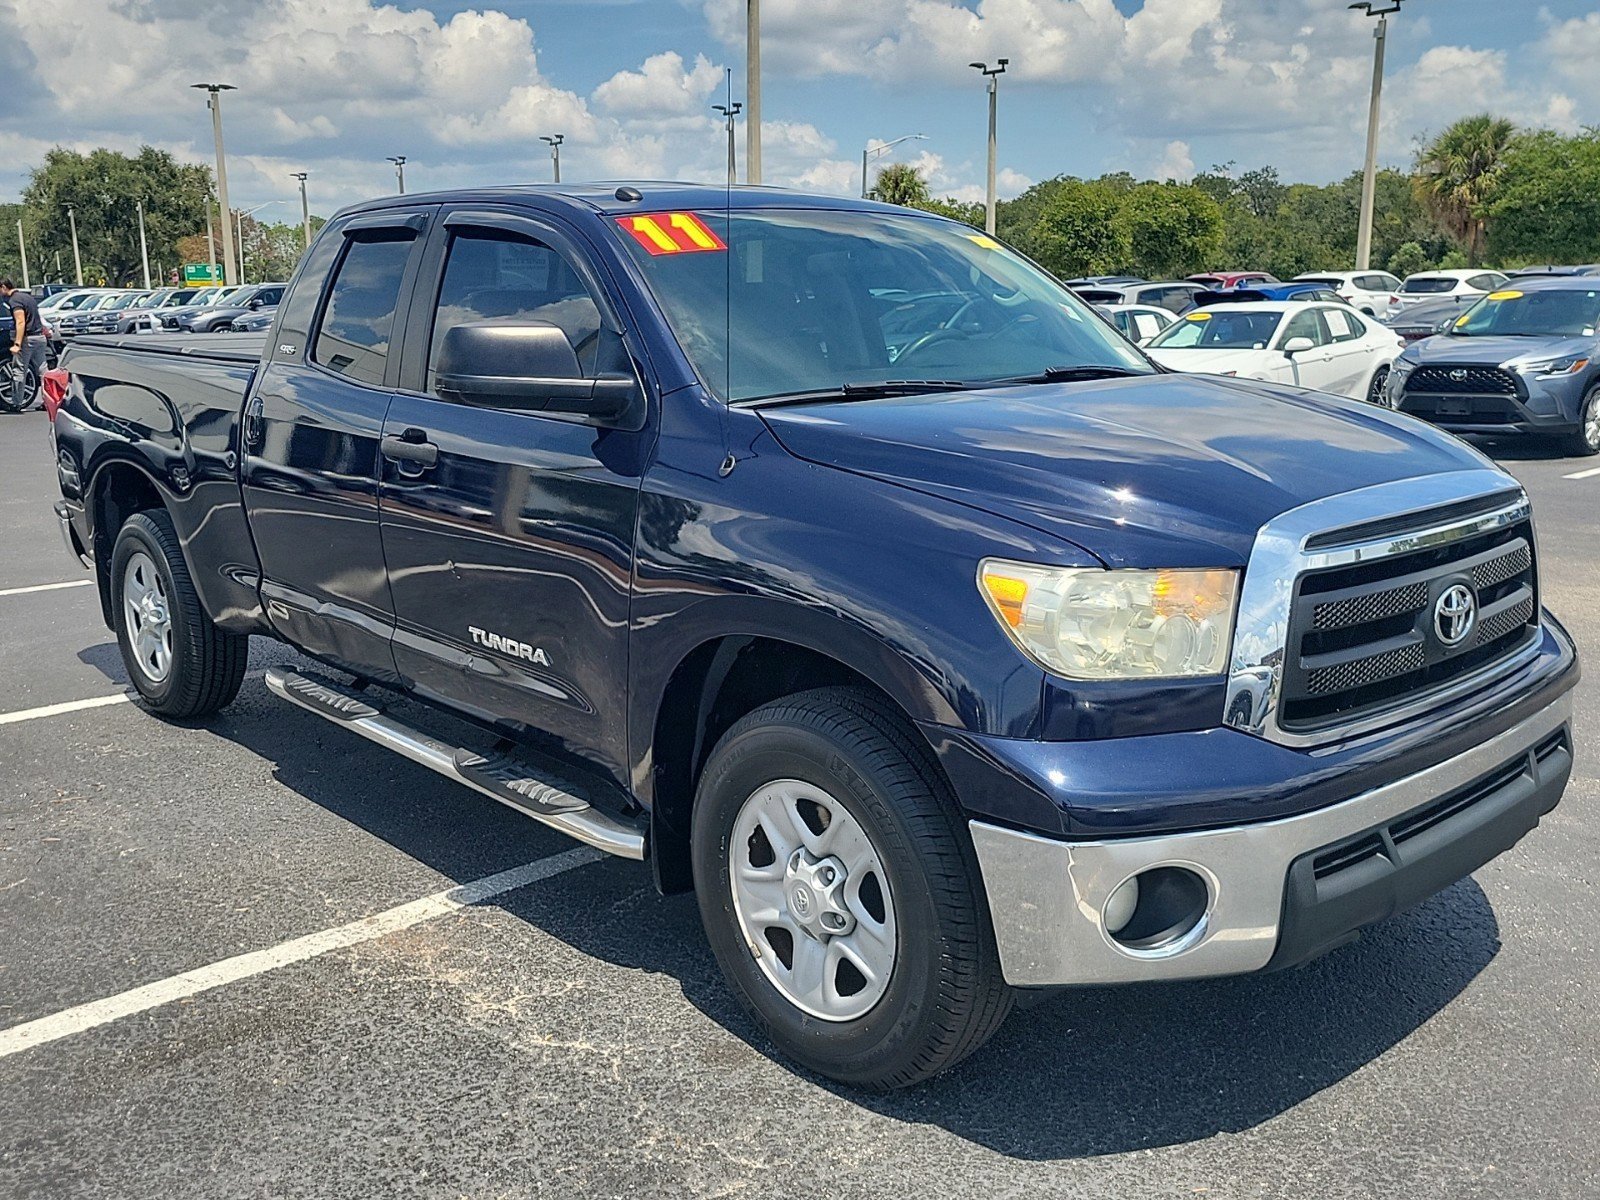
(1482, 192)
(102, 191)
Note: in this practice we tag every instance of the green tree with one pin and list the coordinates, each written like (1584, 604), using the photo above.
(1170, 229)
(104, 189)
(900, 183)
(1078, 232)
(1547, 205)
(1458, 174)
(1408, 260)
(957, 210)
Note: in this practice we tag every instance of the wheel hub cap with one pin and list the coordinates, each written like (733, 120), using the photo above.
(816, 895)
(148, 619)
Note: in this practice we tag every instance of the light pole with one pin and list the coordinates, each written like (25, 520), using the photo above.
(399, 161)
(144, 252)
(874, 151)
(211, 247)
(77, 259)
(992, 74)
(729, 112)
(22, 249)
(555, 140)
(214, 103)
(305, 209)
(242, 216)
(1369, 173)
(752, 91)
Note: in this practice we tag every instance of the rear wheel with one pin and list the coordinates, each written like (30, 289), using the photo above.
(839, 893)
(1585, 439)
(10, 399)
(180, 662)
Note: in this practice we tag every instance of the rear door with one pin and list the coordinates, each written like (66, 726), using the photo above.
(311, 431)
(510, 557)
(1349, 352)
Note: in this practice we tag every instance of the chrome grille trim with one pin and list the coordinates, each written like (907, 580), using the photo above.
(1279, 558)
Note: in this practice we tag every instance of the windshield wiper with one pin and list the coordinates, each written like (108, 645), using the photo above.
(1071, 374)
(858, 391)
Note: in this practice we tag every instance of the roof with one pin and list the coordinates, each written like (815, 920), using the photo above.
(656, 195)
(1454, 273)
(1553, 283)
(1270, 306)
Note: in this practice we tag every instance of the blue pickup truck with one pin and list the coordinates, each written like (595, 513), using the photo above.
(844, 566)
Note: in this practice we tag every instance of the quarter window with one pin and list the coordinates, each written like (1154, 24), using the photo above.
(353, 338)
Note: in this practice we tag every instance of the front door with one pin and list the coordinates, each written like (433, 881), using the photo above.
(311, 431)
(510, 557)
(1311, 368)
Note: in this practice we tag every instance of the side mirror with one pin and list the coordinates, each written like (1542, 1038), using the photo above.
(530, 366)
(256, 303)
(1298, 345)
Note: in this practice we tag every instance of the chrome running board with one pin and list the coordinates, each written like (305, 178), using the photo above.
(533, 791)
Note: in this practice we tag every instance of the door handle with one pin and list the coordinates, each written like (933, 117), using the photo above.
(410, 448)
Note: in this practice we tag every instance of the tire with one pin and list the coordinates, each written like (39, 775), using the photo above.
(182, 665)
(942, 994)
(1377, 390)
(9, 401)
(1585, 439)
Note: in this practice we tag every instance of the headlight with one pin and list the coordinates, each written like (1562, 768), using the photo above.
(1088, 623)
(1569, 365)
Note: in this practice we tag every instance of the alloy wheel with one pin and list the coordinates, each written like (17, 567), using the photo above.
(148, 613)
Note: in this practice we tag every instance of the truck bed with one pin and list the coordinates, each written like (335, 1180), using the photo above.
(218, 347)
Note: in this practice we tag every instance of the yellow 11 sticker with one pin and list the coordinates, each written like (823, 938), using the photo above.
(671, 233)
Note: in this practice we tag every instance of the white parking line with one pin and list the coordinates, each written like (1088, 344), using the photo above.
(230, 970)
(55, 710)
(44, 587)
(1589, 474)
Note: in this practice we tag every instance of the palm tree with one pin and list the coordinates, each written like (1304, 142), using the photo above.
(900, 183)
(1457, 174)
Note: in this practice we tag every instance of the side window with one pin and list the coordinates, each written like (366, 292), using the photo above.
(1484, 283)
(498, 276)
(1147, 325)
(353, 337)
(271, 295)
(1303, 325)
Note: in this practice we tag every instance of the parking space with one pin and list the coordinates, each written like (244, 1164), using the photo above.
(572, 1036)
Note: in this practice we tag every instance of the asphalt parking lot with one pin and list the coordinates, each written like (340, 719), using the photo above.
(571, 1037)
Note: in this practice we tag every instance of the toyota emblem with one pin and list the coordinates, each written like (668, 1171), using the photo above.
(1459, 375)
(1454, 614)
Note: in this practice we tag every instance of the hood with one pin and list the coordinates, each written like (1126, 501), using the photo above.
(1159, 471)
(1214, 362)
(1494, 351)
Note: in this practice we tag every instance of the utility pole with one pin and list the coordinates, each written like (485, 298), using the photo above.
(752, 91)
(77, 259)
(214, 103)
(305, 209)
(241, 248)
(555, 140)
(872, 151)
(992, 74)
(22, 249)
(399, 161)
(211, 246)
(1369, 173)
(144, 252)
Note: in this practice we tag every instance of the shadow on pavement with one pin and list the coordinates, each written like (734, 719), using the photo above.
(1085, 1072)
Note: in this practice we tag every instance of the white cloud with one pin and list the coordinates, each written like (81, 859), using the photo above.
(1176, 162)
(663, 87)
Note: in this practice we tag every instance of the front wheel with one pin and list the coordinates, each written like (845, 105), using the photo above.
(1585, 439)
(11, 400)
(180, 662)
(840, 895)
(1378, 389)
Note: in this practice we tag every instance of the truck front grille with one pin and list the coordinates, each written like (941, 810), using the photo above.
(1365, 636)
(1462, 381)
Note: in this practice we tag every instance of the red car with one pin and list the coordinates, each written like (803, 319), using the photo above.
(1224, 281)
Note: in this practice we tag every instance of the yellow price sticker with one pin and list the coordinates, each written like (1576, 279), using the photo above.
(1460, 321)
(980, 239)
(1505, 295)
(1199, 317)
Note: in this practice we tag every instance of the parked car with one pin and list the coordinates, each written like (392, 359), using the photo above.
(255, 297)
(1221, 281)
(1013, 663)
(1372, 292)
(45, 291)
(1584, 269)
(172, 316)
(1431, 285)
(1327, 347)
(254, 322)
(153, 315)
(1418, 321)
(107, 316)
(132, 317)
(1138, 322)
(1102, 281)
(70, 323)
(1303, 292)
(1523, 360)
(65, 301)
(1176, 296)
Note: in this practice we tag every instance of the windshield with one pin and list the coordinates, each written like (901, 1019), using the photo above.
(1226, 330)
(1574, 313)
(1429, 286)
(122, 301)
(772, 303)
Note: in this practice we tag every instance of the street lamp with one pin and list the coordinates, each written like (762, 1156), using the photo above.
(555, 140)
(1369, 173)
(752, 91)
(214, 103)
(305, 209)
(242, 216)
(729, 112)
(992, 74)
(144, 251)
(77, 259)
(399, 161)
(874, 151)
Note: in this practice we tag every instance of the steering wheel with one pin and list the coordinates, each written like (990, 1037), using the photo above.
(932, 338)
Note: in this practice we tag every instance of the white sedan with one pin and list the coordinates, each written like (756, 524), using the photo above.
(1327, 347)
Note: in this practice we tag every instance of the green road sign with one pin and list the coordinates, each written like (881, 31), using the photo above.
(201, 274)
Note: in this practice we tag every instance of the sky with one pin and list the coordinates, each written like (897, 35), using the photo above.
(1161, 88)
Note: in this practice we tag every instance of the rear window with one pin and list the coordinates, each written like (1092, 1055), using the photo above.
(353, 337)
(1429, 286)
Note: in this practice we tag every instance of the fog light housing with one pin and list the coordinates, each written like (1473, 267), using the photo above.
(1159, 911)
(1120, 908)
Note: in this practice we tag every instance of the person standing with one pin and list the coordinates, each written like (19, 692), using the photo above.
(27, 343)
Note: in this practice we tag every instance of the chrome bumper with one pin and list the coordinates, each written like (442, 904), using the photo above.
(1047, 897)
(64, 517)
